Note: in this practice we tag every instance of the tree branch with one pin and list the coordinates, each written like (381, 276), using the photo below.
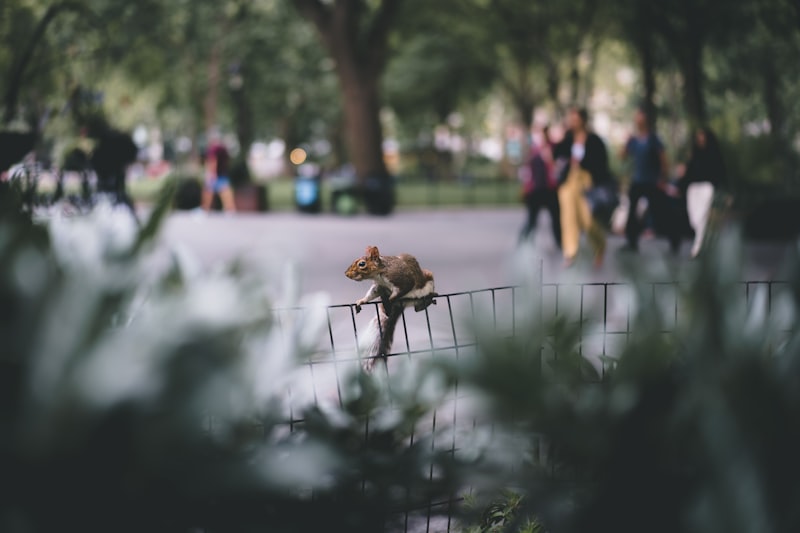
(18, 67)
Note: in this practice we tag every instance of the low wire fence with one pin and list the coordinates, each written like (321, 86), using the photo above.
(604, 313)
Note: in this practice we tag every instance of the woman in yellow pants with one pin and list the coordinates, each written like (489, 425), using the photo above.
(586, 160)
(576, 217)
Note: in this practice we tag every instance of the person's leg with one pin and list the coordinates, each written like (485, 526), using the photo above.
(531, 204)
(227, 199)
(570, 231)
(662, 210)
(225, 192)
(633, 225)
(597, 239)
(699, 197)
(672, 222)
(207, 196)
(594, 232)
(551, 204)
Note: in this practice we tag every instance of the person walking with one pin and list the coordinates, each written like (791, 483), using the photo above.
(539, 187)
(582, 160)
(703, 175)
(649, 159)
(217, 163)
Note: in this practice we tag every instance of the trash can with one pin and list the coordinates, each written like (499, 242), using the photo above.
(307, 190)
(379, 195)
(344, 194)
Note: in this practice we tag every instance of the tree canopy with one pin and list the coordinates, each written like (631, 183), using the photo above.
(312, 70)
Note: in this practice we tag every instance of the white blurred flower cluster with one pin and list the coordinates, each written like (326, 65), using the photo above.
(116, 320)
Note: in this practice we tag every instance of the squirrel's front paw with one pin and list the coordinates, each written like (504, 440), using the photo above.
(358, 308)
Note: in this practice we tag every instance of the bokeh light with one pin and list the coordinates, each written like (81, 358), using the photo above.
(298, 156)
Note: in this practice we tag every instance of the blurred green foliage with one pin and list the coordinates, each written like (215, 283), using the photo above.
(257, 69)
(691, 429)
(138, 394)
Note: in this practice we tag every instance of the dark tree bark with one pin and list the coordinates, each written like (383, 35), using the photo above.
(360, 51)
(237, 88)
(694, 81)
(684, 33)
(773, 103)
(212, 87)
(643, 40)
(522, 94)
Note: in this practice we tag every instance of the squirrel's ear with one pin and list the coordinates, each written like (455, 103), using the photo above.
(373, 253)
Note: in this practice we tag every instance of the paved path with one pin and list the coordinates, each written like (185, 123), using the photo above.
(466, 249)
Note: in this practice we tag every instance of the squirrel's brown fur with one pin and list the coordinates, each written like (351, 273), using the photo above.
(398, 281)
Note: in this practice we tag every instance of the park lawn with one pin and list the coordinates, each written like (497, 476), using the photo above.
(410, 194)
(457, 194)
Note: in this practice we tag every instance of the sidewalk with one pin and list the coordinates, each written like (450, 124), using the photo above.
(465, 249)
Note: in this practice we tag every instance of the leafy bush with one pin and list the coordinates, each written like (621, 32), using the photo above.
(757, 161)
(138, 393)
(693, 429)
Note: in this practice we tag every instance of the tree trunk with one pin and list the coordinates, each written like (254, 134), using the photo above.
(362, 127)
(589, 77)
(642, 33)
(526, 107)
(574, 82)
(212, 88)
(649, 77)
(553, 84)
(644, 44)
(772, 102)
(687, 44)
(692, 70)
(241, 105)
(360, 50)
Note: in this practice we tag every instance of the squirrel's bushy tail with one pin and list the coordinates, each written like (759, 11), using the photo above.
(380, 334)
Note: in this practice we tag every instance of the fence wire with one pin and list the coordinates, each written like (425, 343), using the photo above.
(604, 313)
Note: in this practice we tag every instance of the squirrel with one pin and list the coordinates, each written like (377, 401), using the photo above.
(398, 281)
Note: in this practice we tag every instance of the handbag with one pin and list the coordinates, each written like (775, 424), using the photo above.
(603, 200)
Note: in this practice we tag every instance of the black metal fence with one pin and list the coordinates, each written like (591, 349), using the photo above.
(604, 312)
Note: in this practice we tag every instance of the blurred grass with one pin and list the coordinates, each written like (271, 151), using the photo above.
(411, 194)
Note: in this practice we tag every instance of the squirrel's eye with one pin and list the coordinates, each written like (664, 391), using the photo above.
(362, 264)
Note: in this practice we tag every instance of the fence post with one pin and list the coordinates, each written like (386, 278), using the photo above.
(540, 312)
(543, 446)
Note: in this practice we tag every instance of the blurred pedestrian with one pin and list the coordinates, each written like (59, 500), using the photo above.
(114, 151)
(539, 188)
(217, 177)
(703, 176)
(649, 171)
(582, 163)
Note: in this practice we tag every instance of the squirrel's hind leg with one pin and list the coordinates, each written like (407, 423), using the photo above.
(423, 303)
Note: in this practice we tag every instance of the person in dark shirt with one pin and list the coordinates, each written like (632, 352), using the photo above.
(539, 188)
(647, 152)
(113, 152)
(704, 175)
(582, 160)
(217, 179)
